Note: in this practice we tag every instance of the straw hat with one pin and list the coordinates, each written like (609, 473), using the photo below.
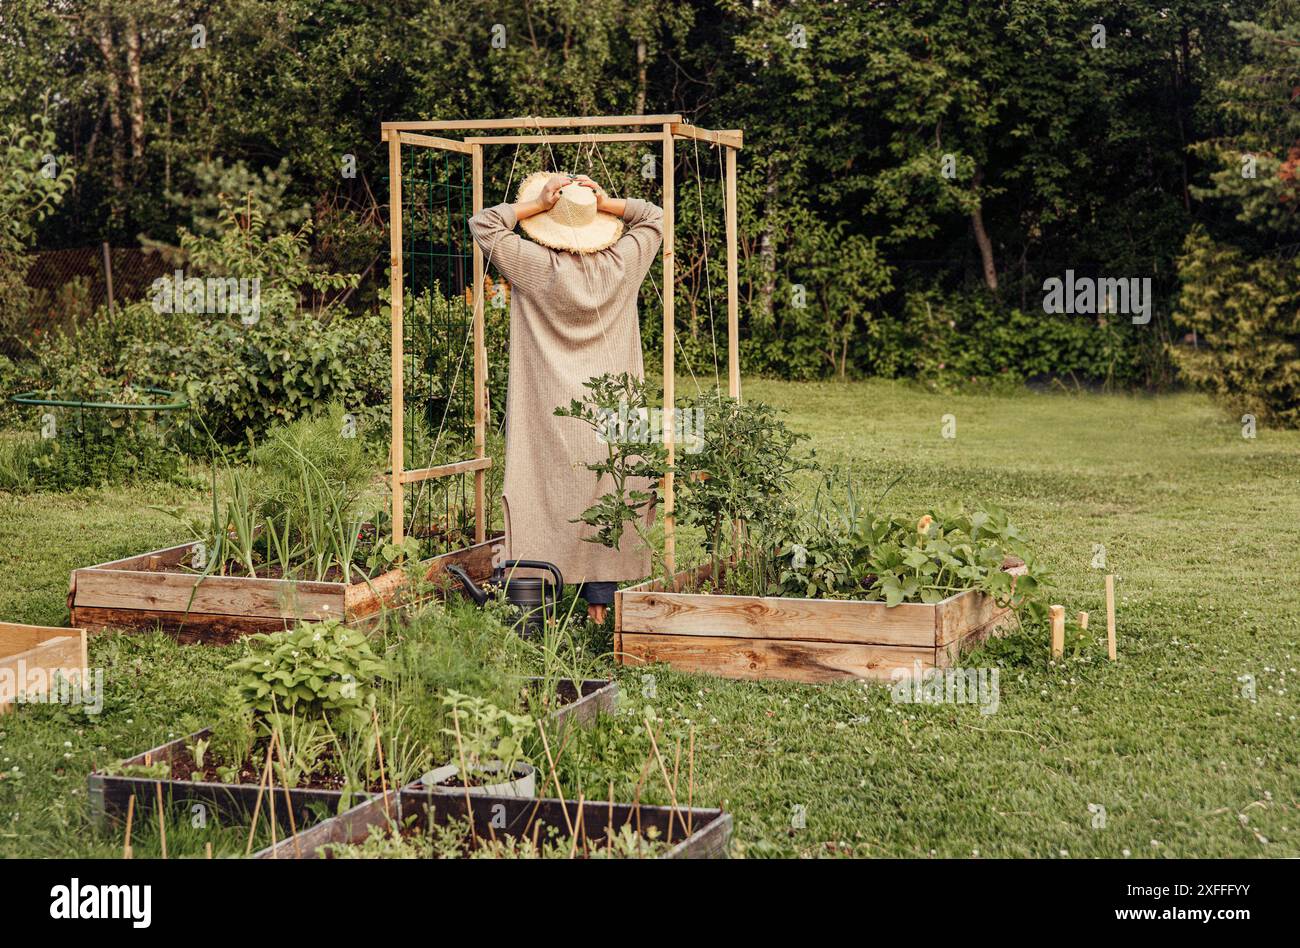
(572, 223)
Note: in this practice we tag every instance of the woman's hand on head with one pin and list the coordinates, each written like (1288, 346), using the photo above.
(602, 198)
(551, 192)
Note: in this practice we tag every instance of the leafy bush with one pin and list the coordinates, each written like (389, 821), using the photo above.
(33, 181)
(945, 341)
(316, 457)
(741, 467)
(266, 190)
(240, 379)
(1246, 315)
(318, 668)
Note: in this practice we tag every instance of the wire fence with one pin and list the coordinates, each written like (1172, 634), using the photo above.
(70, 284)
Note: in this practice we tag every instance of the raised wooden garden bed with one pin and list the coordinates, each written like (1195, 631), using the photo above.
(580, 702)
(811, 640)
(34, 657)
(109, 794)
(695, 833)
(154, 590)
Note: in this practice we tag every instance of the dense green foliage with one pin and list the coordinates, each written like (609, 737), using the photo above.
(1241, 281)
(316, 668)
(1246, 316)
(33, 180)
(965, 152)
(241, 371)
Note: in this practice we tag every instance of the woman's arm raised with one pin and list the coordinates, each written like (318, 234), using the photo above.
(523, 263)
(644, 230)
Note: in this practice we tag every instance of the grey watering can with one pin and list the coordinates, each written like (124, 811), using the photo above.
(532, 596)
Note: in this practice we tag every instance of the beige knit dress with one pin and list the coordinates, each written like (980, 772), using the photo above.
(572, 316)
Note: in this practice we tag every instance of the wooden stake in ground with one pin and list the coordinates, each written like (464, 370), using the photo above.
(464, 779)
(270, 790)
(1057, 614)
(257, 805)
(162, 823)
(1110, 616)
(550, 761)
(577, 832)
(690, 792)
(288, 803)
(672, 790)
(383, 782)
(1083, 622)
(130, 815)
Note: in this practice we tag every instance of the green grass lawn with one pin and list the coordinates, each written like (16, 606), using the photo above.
(1199, 526)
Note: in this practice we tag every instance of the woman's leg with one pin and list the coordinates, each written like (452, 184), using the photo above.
(599, 597)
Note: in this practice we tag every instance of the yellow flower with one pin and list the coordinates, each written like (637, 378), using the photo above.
(923, 525)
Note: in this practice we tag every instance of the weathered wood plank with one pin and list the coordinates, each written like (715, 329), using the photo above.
(584, 701)
(732, 137)
(562, 139)
(446, 470)
(960, 614)
(775, 617)
(170, 556)
(366, 598)
(229, 595)
(427, 141)
(15, 638)
(349, 827)
(531, 121)
(947, 656)
(763, 659)
(108, 794)
(191, 628)
(31, 656)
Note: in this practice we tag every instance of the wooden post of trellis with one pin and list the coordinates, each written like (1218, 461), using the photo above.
(397, 454)
(733, 282)
(480, 361)
(670, 394)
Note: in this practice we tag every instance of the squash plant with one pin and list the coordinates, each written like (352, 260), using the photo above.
(866, 555)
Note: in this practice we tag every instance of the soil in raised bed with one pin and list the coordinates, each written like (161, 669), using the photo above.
(236, 570)
(456, 841)
(250, 772)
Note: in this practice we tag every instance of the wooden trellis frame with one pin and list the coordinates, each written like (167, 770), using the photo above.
(667, 130)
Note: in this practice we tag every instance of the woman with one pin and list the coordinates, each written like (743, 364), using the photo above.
(573, 295)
